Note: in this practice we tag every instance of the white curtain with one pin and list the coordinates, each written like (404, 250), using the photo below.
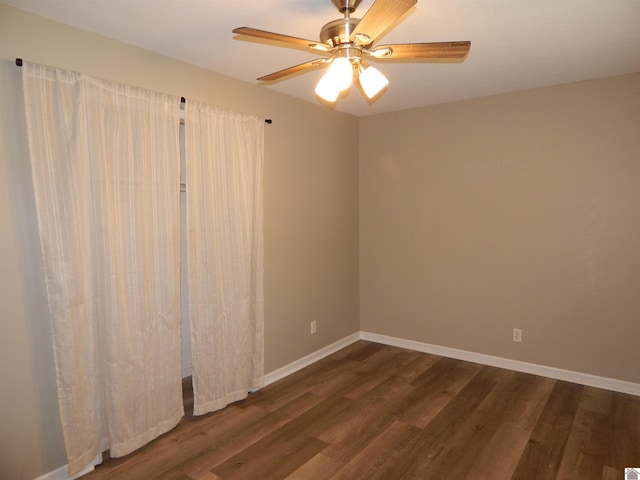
(224, 161)
(106, 170)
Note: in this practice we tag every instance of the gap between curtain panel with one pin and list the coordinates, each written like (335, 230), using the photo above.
(106, 181)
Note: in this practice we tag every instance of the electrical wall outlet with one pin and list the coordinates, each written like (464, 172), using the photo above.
(517, 335)
(313, 327)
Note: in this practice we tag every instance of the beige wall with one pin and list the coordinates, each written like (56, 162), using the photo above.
(514, 211)
(311, 222)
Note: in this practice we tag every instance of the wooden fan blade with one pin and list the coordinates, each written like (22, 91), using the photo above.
(291, 70)
(278, 37)
(380, 16)
(423, 50)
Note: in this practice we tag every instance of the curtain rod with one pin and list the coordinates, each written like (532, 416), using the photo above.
(182, 99)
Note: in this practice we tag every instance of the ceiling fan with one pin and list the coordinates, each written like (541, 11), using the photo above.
(348, 41)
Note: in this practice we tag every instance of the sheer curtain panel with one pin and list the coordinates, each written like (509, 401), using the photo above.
(106, 170)
(224, 161)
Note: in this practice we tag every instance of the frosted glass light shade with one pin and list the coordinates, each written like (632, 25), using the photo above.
(372, 81)
(326, 90)
(338, 78)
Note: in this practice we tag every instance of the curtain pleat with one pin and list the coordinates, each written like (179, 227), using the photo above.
(224, 163)
(105, 166)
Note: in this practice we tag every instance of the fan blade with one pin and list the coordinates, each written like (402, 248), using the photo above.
(423, 50)
(300, 42)
(380, 16)
(291, 70)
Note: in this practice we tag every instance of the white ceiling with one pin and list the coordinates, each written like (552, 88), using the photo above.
(515, 44)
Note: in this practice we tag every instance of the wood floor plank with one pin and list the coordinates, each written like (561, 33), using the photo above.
(335, 381)
(432, 456)
(624, 447)
(320, 467)
(543, 454)
(418, 366)
(448, 372)
(175, 475)
(517, 396)
(234, 442)
(505, 402)
(377, 460)
(442, 427)
(610, 473)
(459, 454)
(588, 449)
(361, 425)
(387, 391)
(174, 447)
(380, 412)
(367, 349)
(361, 376)
(500, 458)
(282, 392)
(585, 454)
(434, 390)
(372, 372)
(597, 400)
(208, 476)
(349, 350)
(407, 357)
(284, 450)
(273, 459)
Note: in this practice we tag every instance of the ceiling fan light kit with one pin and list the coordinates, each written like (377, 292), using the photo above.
(339, 78)
(347, 39)
(372, 81)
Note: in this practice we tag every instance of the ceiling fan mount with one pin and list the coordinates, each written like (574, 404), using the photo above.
(351, 39)
(346, 6)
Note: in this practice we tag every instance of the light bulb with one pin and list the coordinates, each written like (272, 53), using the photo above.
(326, 90)
(338, 78)
(372, 81)
(341, 72)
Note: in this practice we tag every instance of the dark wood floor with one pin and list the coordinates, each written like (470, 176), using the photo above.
(372, 411)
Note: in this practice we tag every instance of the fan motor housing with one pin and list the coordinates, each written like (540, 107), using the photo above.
(338, 32)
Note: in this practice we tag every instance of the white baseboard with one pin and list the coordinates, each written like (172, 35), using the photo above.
(62, 473)
(551, 372)
(299, 364)
(58, 474)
